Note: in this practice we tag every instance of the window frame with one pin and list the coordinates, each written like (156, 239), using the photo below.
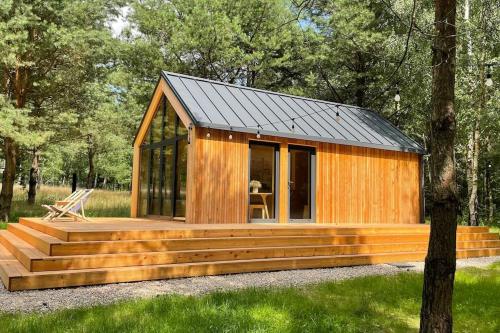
(148, 144)
(276, 147)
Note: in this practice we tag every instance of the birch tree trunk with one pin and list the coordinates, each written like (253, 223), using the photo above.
(472, 172)
(474, 135)
(440, 263)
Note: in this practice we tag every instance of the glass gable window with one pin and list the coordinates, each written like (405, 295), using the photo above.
(163, 165)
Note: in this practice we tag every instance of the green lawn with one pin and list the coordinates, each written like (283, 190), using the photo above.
(3, 225)
(371, 304)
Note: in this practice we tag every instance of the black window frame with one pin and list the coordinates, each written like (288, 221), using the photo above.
(162, 145)
(276, 147)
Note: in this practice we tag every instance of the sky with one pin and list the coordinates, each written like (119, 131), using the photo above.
(117, 25)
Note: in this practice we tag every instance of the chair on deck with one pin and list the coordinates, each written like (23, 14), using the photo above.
(72, 206)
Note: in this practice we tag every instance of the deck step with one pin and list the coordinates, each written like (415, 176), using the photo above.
(36, 261)
(109, 247)
(39, 240)
(142, 231)
(21, 250)
(175, 257)
(20, 279)
(53, 246)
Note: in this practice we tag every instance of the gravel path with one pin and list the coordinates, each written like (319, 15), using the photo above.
(53, 299)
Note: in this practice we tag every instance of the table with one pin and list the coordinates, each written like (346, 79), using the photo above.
(263, 196)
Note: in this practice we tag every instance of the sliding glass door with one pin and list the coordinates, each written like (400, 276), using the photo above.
(263, 194)
(301, 166)
(163, 166)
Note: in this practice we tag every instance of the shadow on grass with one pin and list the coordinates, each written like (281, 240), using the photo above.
(370, 304)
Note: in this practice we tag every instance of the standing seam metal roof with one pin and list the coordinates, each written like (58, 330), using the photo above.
(226, 106)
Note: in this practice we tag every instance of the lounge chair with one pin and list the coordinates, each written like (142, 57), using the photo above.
(74, 207)
(62, 202)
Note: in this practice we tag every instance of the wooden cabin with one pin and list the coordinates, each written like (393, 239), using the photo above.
(223, 158)
(212, 152)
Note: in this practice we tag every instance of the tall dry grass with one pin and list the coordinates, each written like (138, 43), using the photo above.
(102, 203)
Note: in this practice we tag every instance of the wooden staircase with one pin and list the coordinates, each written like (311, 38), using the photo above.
(37, 255)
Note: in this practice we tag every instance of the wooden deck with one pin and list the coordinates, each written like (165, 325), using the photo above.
(36, 254)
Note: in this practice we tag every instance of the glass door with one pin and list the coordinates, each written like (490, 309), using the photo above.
(263, 196)
(301, 166)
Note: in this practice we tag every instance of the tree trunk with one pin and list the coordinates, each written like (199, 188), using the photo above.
(472, 172)
(360, 81)
(9, 177)
(34, 173)
(91, 173)
(73, 183)
(473, 141)
(489, 195)
(488, 184)
(440, 263)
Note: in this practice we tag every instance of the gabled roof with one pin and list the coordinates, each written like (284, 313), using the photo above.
(225, 106)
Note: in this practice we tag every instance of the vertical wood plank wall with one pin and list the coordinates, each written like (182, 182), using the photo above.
(353, 184)
(219, 192)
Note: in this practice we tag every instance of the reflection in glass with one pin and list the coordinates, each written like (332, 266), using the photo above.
(180, 177)
(300, 184)
(156, 125)
(154, 189)
(181, 129)
(143, 185)
(262, 182)
(167, 180)
(170, 122)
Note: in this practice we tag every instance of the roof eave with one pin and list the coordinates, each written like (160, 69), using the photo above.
(312, 138)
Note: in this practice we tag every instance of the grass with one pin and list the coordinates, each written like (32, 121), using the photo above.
(369, 304)
(102, 203)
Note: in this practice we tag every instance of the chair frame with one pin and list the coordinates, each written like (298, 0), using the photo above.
(58, 211)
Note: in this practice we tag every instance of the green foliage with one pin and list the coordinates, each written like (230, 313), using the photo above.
(245, 42)
(66, 49)
(370, 304)
(84, 83)
(14, 122)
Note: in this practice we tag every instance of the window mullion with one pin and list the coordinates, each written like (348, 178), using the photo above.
(174, 175)
(162, 155)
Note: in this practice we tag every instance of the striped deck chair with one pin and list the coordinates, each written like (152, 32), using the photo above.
(72, 208)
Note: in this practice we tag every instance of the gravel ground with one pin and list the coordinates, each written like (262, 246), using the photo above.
(54, 299)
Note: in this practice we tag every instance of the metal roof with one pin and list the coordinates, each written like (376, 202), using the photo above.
(226, 106)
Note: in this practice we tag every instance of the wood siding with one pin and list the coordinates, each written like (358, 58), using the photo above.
(353, 184)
